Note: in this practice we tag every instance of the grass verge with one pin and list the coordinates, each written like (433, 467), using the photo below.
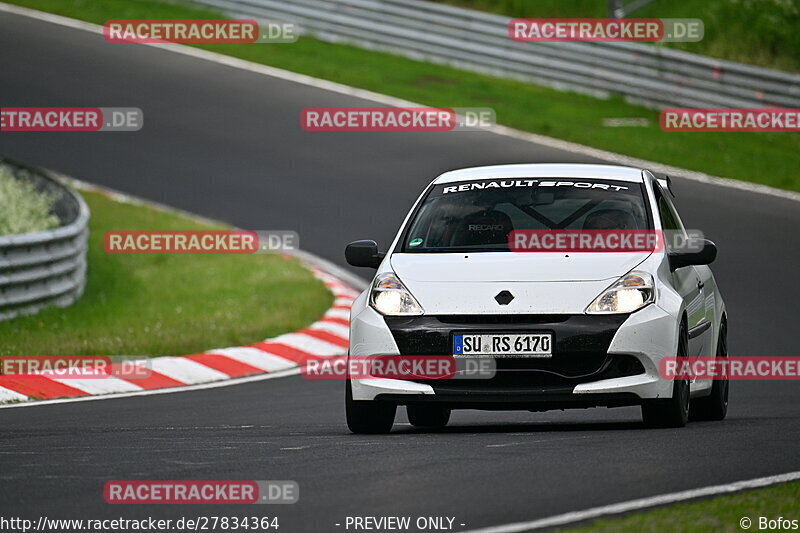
(721, 515)
(168, 304)
(761, 33)
(766, 158)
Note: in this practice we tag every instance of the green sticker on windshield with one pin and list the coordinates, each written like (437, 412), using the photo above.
(415, 242)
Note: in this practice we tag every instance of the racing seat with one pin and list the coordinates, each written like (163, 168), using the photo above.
(609, 219)
(483, 227)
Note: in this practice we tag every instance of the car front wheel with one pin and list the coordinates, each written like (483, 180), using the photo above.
(671, 412)
(369, 417)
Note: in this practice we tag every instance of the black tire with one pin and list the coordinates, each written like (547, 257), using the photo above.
(428, 416)
(671, 412)
(368, 417)
(715, 406)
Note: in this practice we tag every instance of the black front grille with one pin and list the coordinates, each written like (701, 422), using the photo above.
(580, 346)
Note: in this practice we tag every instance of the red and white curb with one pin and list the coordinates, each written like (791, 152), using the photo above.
(325, 338)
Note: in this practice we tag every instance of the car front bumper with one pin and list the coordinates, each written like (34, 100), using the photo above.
(597, 360)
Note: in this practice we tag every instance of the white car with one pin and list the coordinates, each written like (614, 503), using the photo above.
(575, 329)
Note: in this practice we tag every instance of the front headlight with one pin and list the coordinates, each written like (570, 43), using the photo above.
(390, 297)
(632, 291)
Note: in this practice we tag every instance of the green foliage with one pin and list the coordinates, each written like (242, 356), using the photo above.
(22, 208)
(758, 32)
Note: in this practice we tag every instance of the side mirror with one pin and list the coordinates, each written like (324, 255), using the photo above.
(704, 256)
(363, 254)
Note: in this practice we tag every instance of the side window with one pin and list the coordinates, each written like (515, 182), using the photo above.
(670, 222)
(669, 219)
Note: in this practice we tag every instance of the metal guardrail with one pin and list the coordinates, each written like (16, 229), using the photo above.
(473, 40)
(44, 268)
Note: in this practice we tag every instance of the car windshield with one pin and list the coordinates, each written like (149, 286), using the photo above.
(477, 216)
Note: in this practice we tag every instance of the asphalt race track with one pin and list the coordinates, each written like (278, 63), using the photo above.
(227, 143)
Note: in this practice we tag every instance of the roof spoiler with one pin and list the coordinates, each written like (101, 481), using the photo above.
(666, 184)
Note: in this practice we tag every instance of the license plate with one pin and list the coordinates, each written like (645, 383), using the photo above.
(503, 344)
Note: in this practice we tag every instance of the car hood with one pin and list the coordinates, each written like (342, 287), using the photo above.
(553, 283)
(512, 267)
